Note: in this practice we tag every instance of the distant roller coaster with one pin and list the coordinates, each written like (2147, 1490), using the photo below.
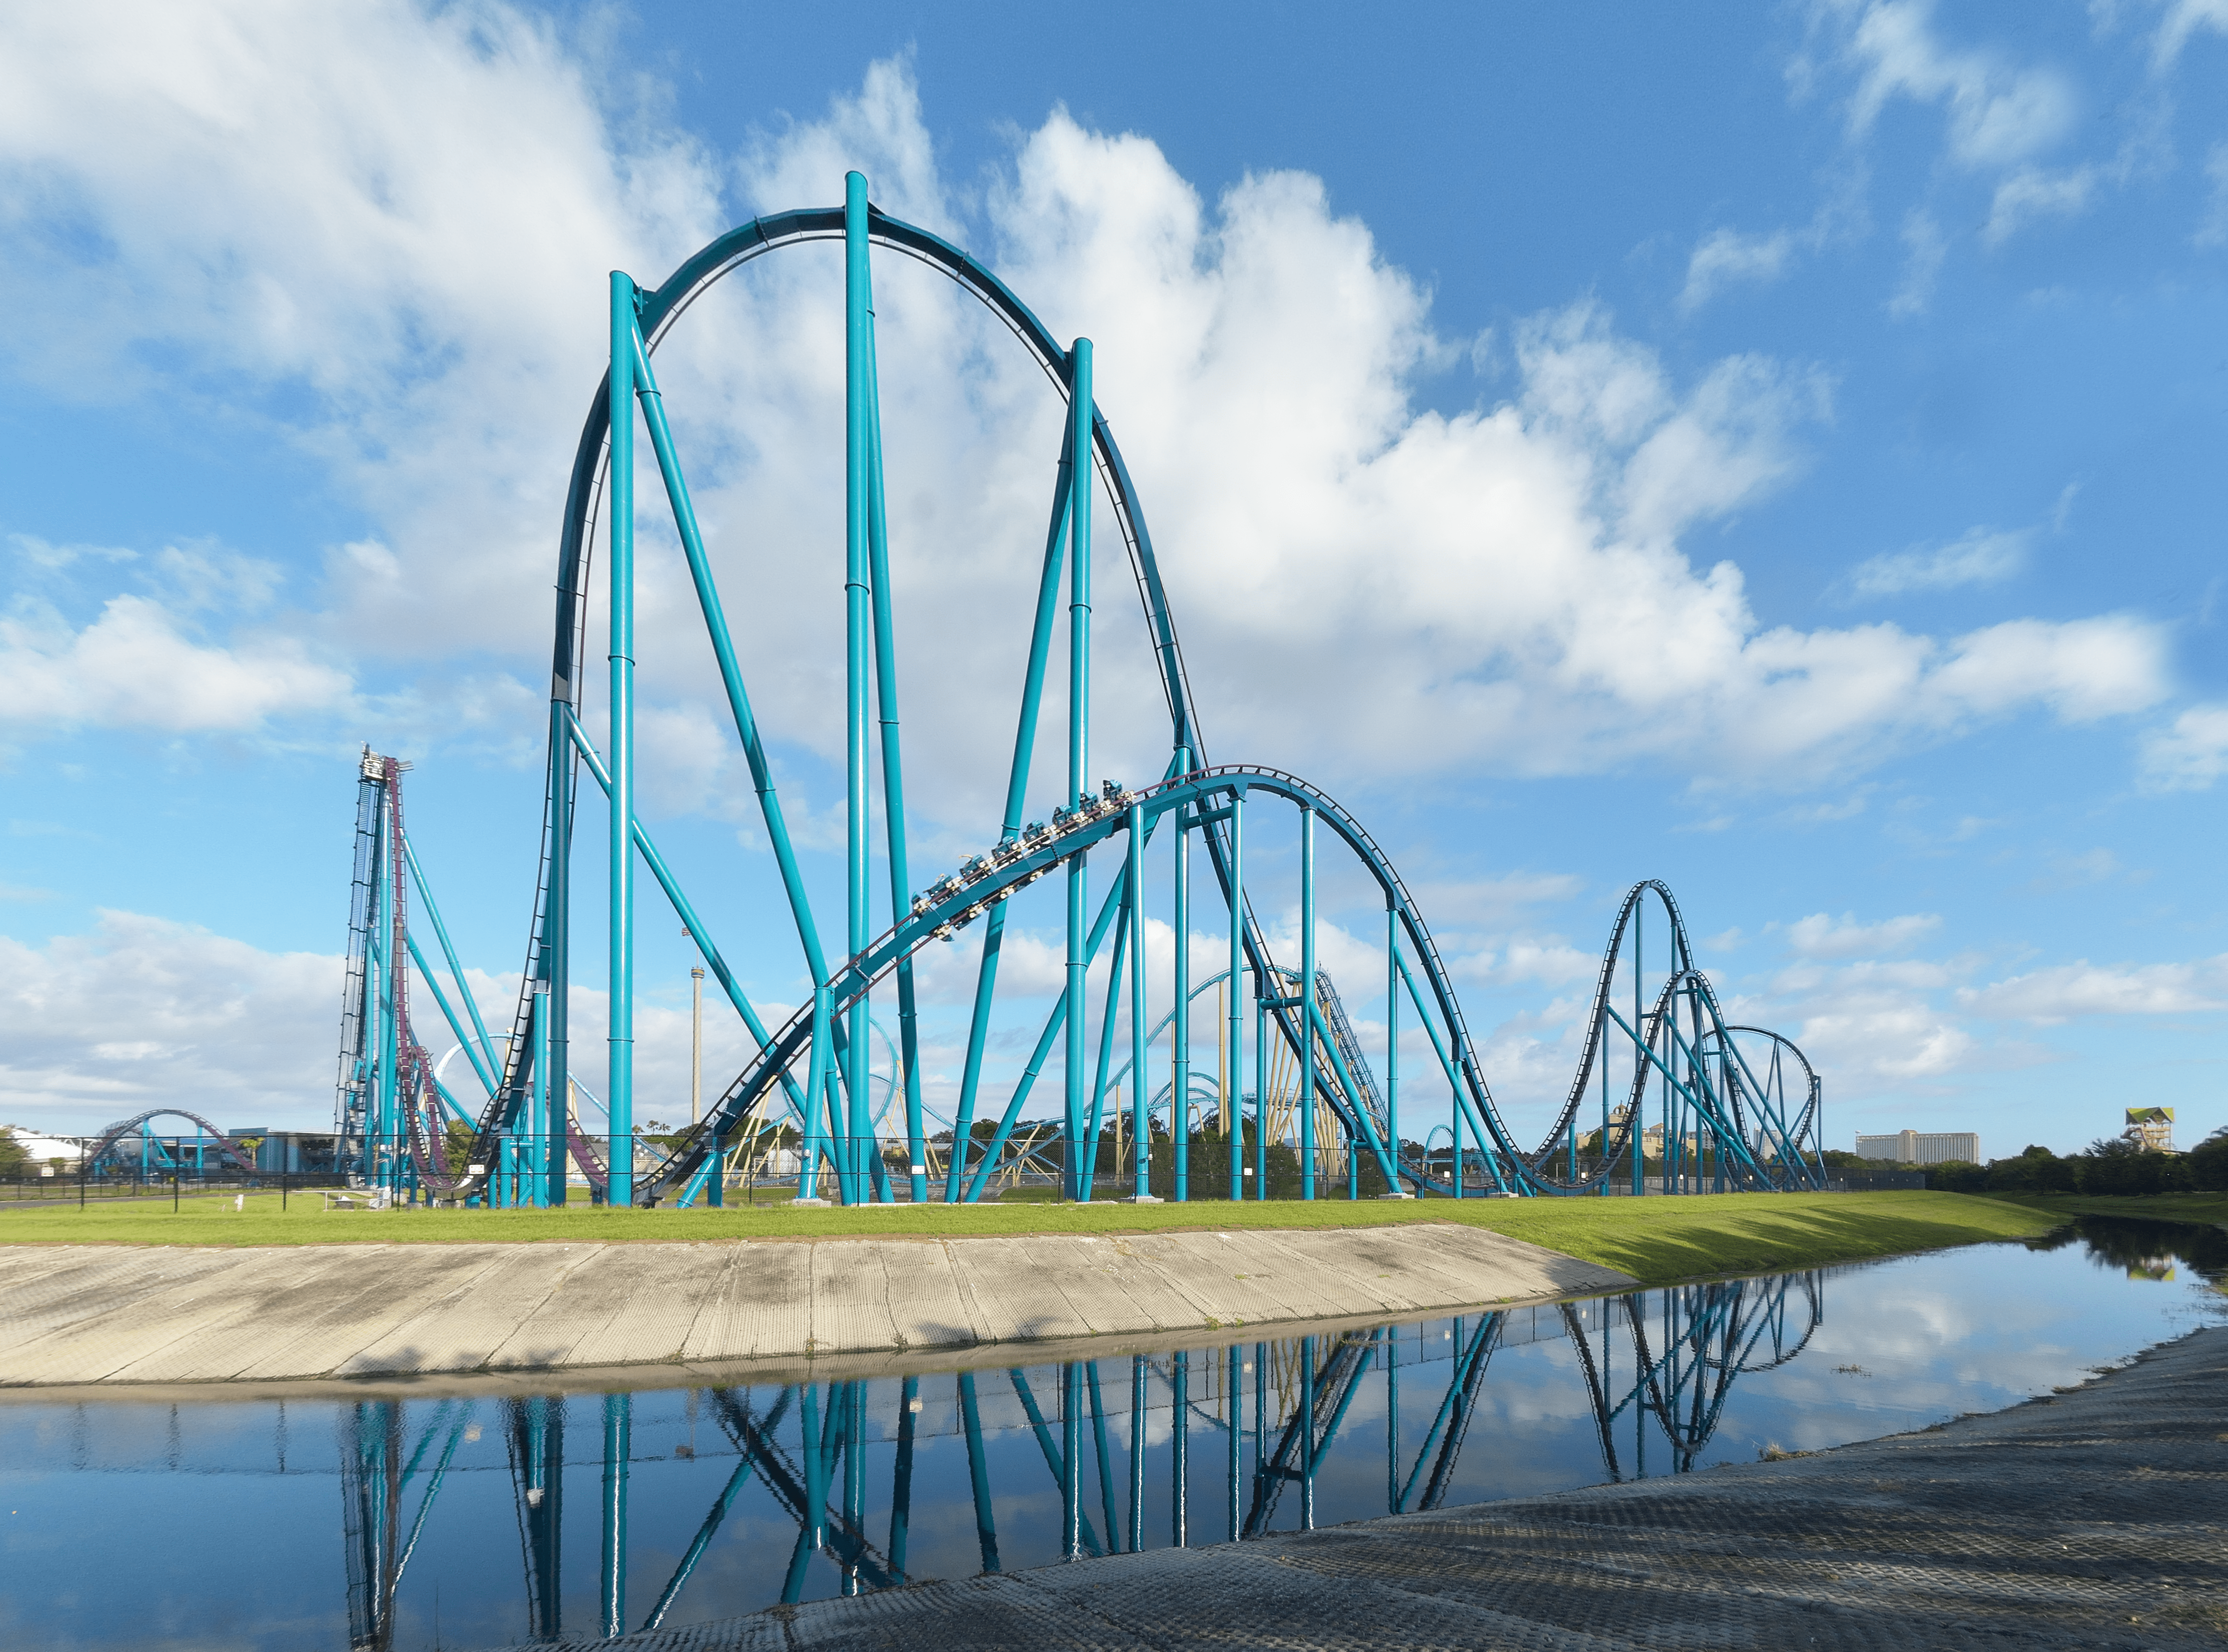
(1728, 1107)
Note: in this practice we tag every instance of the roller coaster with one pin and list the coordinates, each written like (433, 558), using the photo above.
(1731, 1107)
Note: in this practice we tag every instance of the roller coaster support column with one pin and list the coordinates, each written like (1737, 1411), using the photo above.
(545, 1158)
(1078, 738)
(1025, 741)
(1393, 1043)
(1141, 1137)
(557, 950)
(618, 1096)
(1233, 1109)
(858, 317)
(1307, 1097)
(893, 810)
(1180, 1031)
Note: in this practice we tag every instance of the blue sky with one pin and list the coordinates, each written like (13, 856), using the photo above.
(1771, 449)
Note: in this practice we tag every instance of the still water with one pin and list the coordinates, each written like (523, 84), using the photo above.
(464, 1523)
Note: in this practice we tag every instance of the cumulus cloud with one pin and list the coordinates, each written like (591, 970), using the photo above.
(381, 232)
(1980, 556)
(143, 1011)
(1999, 113)
(2191, 754)
(1821, 936)
(2066, 991)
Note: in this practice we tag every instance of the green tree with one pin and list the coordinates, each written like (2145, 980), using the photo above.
(14, 1162)
(2208, 1162)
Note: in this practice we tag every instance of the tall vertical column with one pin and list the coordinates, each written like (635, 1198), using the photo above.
(557, 941)
(1233, 1114)
(540, 1155)
(1079, 738)
(1141, 1135)
(619, 1098)
(1307, 1101)
(1393, 1039)
(1179, 1030)
(858, 318)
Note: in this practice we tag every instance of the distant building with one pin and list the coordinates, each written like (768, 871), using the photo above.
(1920, 1147)
(2150, 1129)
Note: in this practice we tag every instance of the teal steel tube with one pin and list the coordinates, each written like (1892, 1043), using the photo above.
(1025, 740)
(557, 941)
(1070, 1458)
(619, 1443)
(1079, 730)
(858, 317)
(1180, 1034)
(1234, 1426)
(893, 807)
(731, 672)
(486, 1044)
(1141, 1135)
(815, 1075)
(541, 1149)
(1233, 1122)
(1260, 1087)
(441, 1000)
(618, 1094)
(1392, 1037)
(1307, 1101)
(684, 910)
(1365, 1132)
(1053, 1023)
(1106, 1050)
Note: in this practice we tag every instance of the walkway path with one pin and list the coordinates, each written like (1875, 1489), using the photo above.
(2098, 1518)
(75, 1315)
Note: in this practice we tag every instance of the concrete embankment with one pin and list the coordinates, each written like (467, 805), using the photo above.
(2093, 1518)
(112, 1316)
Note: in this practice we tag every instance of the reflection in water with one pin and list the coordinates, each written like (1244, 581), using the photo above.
(1241, 1434)
(480, 1521)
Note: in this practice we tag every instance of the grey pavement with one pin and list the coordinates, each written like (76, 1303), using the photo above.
(2094, 1518)
(108, 1316)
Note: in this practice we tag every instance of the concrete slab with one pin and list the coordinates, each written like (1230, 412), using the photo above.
(370, 1297)
(660, 1291)
(230, 1337)
(1010, 1301)
(850, 1299)
(761, 1307)
(460, 1329)
(93, 1350)
(927, 1307)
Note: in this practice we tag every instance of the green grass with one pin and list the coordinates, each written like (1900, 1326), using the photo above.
(1653, 1239)
(2157, 1207)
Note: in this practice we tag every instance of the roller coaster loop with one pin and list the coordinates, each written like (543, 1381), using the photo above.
(1659, 1058)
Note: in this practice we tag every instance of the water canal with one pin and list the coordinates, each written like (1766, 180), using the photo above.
(466, 1522)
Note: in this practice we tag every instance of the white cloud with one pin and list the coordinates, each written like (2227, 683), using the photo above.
(2214, 230)
(1821, 936)
(1924, 238)
(1980, 556)
(2191, 754)
(145, 1011)
(2067, 991)
(1999, 113)
(134, 667)
(400, 222)
(1725, 256)
(2183, 19)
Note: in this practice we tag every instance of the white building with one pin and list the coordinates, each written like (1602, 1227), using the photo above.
(1921, 1147)
(44, 1151)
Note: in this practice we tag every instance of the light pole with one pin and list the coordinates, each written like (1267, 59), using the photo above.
(697, 1045)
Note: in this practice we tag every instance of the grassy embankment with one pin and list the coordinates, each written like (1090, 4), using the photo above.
(2157, 1207)
(1655, 1240)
